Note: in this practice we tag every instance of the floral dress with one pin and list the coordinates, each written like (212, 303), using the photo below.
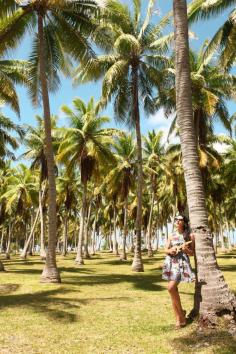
(178, 268)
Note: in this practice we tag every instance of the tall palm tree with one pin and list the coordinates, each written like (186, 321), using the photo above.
(36, 153)
(224, 37)
(58, 32)
(215, 294)
(153, 156)
(121, 177)
(85, 144)
(131, 71)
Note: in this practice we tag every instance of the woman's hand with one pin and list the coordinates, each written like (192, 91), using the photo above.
(172, 251)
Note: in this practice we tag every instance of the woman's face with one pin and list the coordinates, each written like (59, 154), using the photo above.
(179, 224)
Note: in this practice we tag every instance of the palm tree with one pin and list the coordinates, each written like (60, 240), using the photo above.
(36, 152)
(224, 37)
(215, 294)
(132, 70)
(121, 177)
(20, 196)
(153, 154)
(59, 27)
(86, 145)
(13, 72)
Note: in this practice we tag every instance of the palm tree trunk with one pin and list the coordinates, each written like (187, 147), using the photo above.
(137, 265)
(50, 272)
(1, 264)
(2, 238)
(216, 297)
(150, 251)
(124, 255)
(221, 231)
(9, 241)
(42, 226)
(65, 240)
(110, 238)
(114, 243)
(79, 257)
(94, 235)
(27, 243)
(86, 232)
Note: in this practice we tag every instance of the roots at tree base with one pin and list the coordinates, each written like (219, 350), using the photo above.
(137, 265)
(50, 275)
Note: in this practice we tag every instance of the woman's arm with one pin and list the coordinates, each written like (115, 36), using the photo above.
(190, 248)
(168, 249)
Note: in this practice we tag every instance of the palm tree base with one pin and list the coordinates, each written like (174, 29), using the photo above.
(43, 255)
(150, 253)
(123, 257)
(1, 267)
(50, 275)
(23, 255)
(7, 256)
(79, 261)
(137, 265)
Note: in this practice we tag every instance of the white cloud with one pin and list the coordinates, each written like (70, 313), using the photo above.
(220, 147)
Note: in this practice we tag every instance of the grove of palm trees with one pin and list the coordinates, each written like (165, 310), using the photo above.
(91, 184)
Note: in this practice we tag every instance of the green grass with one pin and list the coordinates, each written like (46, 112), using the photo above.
(101, 308)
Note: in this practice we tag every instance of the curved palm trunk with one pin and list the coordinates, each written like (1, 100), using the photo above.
(114, 243)
(86, 232)
(9, 241)
(65, 240)
(150, 251)
(137, 265)
(124, 255)
(79, 257)
(29, 240)
(50, 272)
(42, 225)
(110, 238)
(216, 297)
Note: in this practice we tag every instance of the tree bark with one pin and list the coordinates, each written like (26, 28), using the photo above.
(94, 235)
(50, 272)
(86, 232)
(2, 238)
(216, 297)
(9, 241)
(137, 265)
(42, 224)
(79, 257)
(27, 243)
(65, 240)
(124, 255)
(150, 251)
(222, 243)
(114, 243)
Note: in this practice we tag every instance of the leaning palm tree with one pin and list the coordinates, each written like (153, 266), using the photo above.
(86, 144)
(131, 71)
(58, 32)
(216, 297)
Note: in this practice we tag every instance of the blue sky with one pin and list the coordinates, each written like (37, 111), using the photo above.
(67, 92)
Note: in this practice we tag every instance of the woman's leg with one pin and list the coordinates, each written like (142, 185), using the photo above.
(176, 303)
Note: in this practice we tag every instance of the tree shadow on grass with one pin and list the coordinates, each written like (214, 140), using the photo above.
(8, 288)
(214, 341)
(44, 302)
(146, 282)
(47, 303)
(228, 267)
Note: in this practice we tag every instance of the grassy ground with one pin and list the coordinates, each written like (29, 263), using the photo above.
(100, 308)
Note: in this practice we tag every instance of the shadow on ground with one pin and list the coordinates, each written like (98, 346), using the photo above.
(214, 341)
(50, 303)
(146, 282)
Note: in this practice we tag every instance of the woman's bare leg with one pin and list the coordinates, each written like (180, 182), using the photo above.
(176, 303)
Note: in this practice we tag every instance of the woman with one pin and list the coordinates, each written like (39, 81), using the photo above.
(177, 266)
